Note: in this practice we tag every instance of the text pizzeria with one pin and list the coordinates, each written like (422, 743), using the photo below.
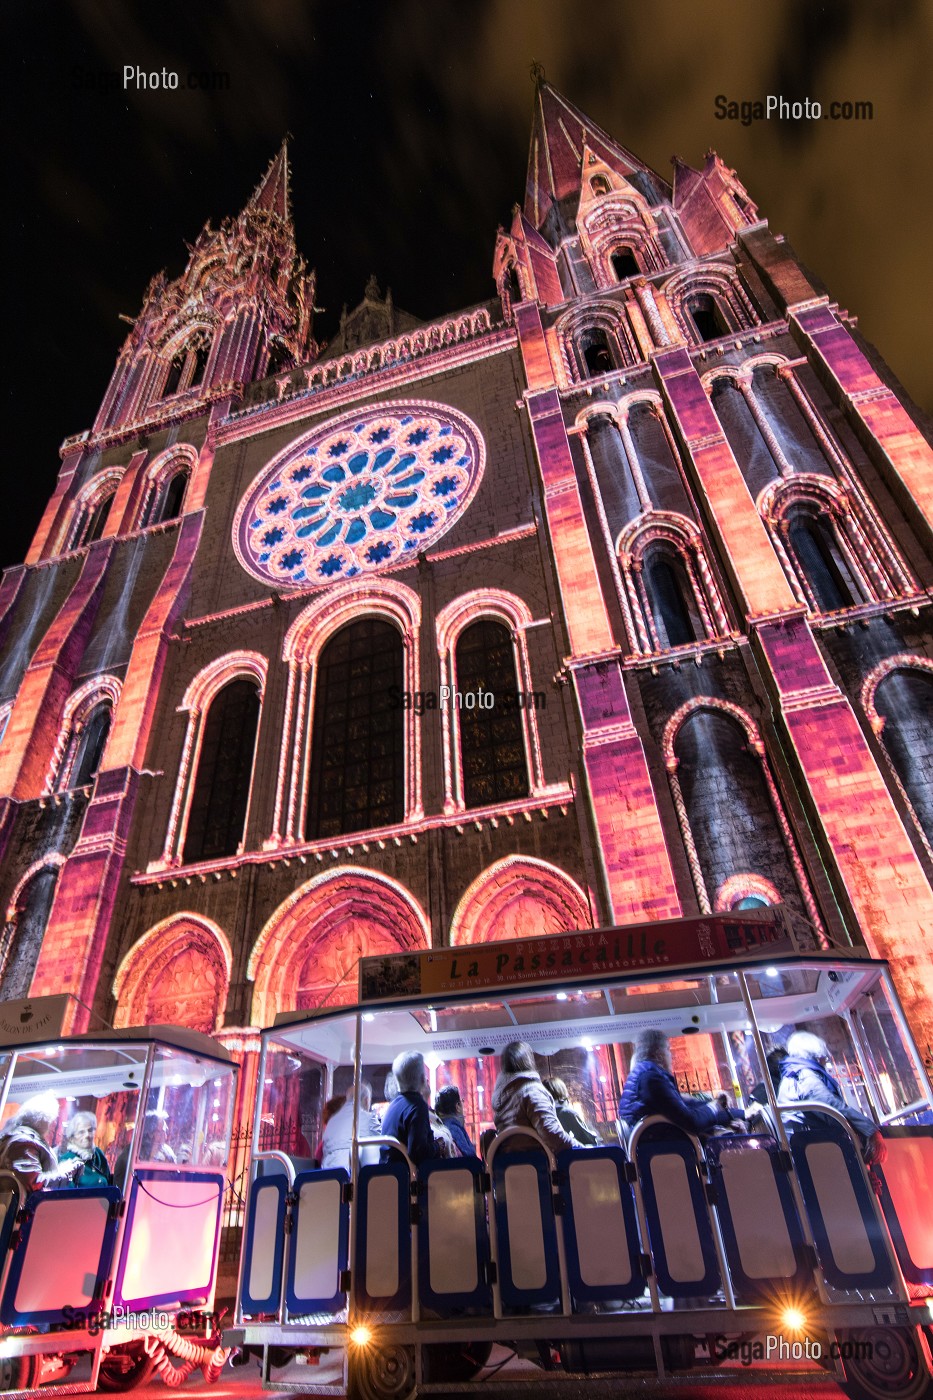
(639, 948)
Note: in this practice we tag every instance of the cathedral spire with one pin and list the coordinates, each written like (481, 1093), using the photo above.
(272, 192)
(559, 133)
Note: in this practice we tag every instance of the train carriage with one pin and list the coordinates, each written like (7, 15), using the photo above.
(654, 1252)
(109, 1276)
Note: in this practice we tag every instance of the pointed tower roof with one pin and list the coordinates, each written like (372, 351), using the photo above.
(272, 192)
(558, 135)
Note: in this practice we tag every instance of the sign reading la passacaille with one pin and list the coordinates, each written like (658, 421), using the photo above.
(567, 956)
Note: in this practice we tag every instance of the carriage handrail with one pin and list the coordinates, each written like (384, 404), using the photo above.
(17, 1185)
(383, 1140)
(914, 1107)
(272, 1155)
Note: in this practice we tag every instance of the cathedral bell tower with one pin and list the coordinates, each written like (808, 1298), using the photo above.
(241, 310)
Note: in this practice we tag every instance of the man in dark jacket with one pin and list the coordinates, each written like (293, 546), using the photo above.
(449, 1108)
(805, 1079)
(408, 1117)
(652, 1089)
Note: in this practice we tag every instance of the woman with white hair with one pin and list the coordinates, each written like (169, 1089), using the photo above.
(78, 1141)
(24, 1147)
(805, 1079)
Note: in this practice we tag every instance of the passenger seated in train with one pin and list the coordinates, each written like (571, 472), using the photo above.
(567, 1115)
(408, 1117)
(338, 1134)
(520, 1100)
(448, 1106)
(804, 1077)
(153, 1145)
(652, 1089)
(327, 1112)
(78, 1141)
(25, 1150)
(774, 1061)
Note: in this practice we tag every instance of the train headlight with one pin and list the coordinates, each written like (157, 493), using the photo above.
(793, 1319)
(361, 1336)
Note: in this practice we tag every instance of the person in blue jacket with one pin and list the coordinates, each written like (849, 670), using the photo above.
(449, 1108)
(652, 1089)
(408, 1117)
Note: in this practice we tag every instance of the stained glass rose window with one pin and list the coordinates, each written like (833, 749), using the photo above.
(358, 494)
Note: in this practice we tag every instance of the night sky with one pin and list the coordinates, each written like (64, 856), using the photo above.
(410, 124)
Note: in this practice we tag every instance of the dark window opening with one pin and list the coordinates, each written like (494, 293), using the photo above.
(817, 552)
(221, 791)
(513, 284)
(22, 939)
(201, 353)
(707, 317)
(172, 498)
(597, 356)
(90, 748)
(673, 605)
(624, 264)
(492, 748)
(600, 185)
(279, 358)
(274, 269)
(358, 735)
(95, 523)
(175, 371)
(751, 901)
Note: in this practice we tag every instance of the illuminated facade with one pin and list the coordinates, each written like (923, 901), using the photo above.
(656, 497)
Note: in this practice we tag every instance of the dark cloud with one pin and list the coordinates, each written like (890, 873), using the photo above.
(410, 126)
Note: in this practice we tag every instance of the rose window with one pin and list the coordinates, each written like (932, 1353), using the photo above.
(359, 494)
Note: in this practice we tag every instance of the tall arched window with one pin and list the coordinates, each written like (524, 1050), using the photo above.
(217, 815)
(624, 264)
(166, 500)
(708, 320)
(92, 522)
(357, 737)
(597, 354)
(21, 940)
(89, 748)
(492, 748)
(187, 365)
(673, 604)
(904, 704)
(821, 561)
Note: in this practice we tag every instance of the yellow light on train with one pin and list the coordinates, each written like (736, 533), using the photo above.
(361, 1336)
(793, 1319)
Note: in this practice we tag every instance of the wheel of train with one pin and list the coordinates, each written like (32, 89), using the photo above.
(382, 1373)
(125, 1368)
(885, 1363)
(18, 1372)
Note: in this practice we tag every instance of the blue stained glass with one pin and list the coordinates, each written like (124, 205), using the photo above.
(422, 522)
(357, 462)
(274, 485)
(329, 536)
(338, 449)
(275, 536)
(402, 502)
(442, 454)
(407, 419)
(264, 558)
(463, 461)
(307, 530)
(381, 519)
(357, 496)
(303, 512)
(302, 473)
(377, 553)
(358, 427)
(277, 506)
(411, 544)
(411, 479)
(379, 435)
(381, 458)
(334, 474)
(292, 559)
(444, 486)
(350, 572)
(357, 531)
(312, 452)
(331, 565)
(446, 429)
(256, 524)
(404, 461)
(313, 493)
(418, 436)
(300, 574)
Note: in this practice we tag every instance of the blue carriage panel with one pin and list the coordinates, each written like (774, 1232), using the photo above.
(264, 1246)
(679, 1228)
(382, 1263)
(453, 1245)
(761, 1230)
(9, 1205)
(848, 1236)
(319, 1243)
(906, 1181)
(181, 1211)
(62, 1261)
(600, 1225)
(526, 1234)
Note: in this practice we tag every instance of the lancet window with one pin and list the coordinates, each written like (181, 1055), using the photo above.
(220, 793)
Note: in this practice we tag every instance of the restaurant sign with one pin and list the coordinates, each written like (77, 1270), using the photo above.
(614, 952)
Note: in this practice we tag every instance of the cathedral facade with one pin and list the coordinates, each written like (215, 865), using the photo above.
(656, 500)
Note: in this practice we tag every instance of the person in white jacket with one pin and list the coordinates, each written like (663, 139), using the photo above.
(520, 1100)
(338, 1134)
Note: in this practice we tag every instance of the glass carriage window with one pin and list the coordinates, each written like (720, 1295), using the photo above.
(188, 1110)
(91, 745)
(492, 748)
(221, 789)
(358, 737)
(672, 603)
(821, 560)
